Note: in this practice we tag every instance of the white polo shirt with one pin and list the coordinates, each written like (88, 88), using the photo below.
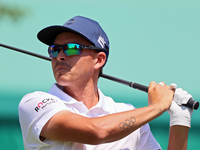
(35, 109)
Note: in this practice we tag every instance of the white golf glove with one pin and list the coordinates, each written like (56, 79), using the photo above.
(180, 115)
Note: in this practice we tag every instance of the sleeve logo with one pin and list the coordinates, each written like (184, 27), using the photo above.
(45, 102)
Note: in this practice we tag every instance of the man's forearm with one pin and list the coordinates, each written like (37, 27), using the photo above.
(116, 126)
(178, 137)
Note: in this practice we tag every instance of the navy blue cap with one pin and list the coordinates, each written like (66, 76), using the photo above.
(85, 27)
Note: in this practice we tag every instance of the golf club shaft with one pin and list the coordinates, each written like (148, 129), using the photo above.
(191, 103)
(25, 52)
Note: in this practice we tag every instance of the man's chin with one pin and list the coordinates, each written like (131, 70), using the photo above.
(63, 81)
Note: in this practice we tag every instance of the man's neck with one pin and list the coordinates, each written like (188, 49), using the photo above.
(88, 93)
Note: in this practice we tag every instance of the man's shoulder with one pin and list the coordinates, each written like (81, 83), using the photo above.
(35, 95)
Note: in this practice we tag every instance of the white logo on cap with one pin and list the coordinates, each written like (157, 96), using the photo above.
(101, 42)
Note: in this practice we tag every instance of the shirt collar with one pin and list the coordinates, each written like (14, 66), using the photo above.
(57, 90)
(103, 103)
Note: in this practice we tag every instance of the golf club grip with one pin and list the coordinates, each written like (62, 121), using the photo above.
(139, 87)
(192, 104)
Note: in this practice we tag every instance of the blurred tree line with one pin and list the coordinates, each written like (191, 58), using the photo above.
(13, 12)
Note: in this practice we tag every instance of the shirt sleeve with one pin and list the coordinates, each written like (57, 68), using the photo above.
(35, 109)
(147, 140)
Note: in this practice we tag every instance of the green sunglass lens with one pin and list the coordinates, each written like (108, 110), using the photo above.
(72, 49)
(54, 53)
(71, 52)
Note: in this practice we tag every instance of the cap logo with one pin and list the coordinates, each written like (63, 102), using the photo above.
(101, 41)
(71, 21)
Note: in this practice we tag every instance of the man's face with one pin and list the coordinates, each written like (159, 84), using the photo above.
(73, 69)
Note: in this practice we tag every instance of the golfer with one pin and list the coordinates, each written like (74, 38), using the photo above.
(75, 115)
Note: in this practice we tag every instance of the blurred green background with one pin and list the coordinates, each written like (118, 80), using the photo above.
(149, 40)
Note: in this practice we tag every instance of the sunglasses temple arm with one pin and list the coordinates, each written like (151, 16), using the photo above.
(25, 52)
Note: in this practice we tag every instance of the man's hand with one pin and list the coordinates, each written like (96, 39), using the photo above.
(160, 95)
(180, 115)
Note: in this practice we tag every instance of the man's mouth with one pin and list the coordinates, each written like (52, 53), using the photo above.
(61, 66)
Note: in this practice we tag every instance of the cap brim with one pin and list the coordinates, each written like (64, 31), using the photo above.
(48, 35)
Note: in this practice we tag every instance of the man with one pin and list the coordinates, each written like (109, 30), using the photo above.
(75, 115)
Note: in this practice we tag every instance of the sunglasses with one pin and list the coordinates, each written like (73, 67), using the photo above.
(70, 49)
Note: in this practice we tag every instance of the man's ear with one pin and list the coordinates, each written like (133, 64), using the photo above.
(100, 60)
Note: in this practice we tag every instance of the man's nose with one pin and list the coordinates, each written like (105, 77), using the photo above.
(61, 56)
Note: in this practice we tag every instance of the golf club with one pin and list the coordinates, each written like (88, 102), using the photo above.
(191, 103)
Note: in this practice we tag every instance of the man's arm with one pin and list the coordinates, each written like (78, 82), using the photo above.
(68, 126)
(178, 137)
